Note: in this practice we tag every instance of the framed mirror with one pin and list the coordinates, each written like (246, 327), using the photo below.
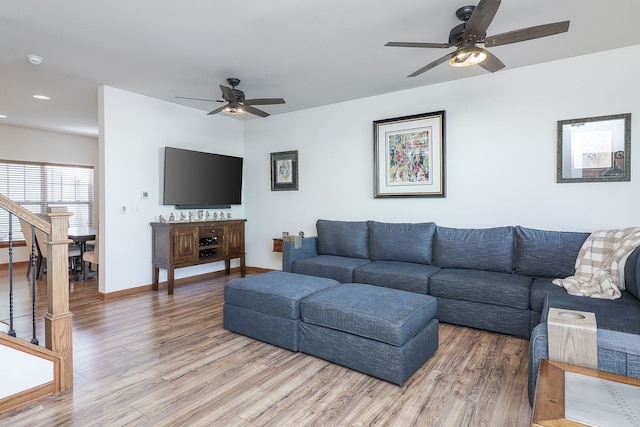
(595, 149)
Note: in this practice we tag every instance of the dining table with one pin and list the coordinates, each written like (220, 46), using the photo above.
(82, 235)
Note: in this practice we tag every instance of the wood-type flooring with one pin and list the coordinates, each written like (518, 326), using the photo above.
(154, 359)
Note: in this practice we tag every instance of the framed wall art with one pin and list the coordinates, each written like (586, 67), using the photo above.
(595, 149)
(409, 156)
(284, 171)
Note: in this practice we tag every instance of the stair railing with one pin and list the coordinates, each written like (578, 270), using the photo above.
(57, 319)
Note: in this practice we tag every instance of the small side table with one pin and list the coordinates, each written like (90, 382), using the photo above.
(549, 401)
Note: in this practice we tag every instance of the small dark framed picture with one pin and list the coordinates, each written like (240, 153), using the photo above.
(284, 171)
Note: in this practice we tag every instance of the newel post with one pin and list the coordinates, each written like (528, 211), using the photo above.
(57, 319)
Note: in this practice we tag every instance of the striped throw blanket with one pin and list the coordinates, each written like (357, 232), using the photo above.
(600, 264)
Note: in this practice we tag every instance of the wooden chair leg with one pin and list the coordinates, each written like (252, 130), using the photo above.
(43, 266)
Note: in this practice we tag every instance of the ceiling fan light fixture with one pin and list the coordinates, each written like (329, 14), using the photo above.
(467, 56)
(233, 109)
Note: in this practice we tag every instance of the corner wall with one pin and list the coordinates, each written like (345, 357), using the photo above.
(134, 130)
(500, 154)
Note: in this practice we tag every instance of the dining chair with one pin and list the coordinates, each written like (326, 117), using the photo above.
(28, 240)
(74, 254)
(91, 257)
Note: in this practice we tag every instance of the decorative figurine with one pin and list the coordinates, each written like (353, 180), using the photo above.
(221, 215)
(162, 219)
(228, 215)
(200, 215)
(208, 215)
(301, 234)
(215, 216)
(183, 218)
(172, 217)
(190, 216)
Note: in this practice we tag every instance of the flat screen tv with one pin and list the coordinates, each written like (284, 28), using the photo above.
(193, 179)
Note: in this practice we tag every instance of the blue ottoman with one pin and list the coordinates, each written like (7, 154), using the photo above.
(267, 306)
(383, 332)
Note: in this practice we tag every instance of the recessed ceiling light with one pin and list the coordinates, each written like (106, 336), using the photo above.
(34, 59)
(43, 97)
(2, 116)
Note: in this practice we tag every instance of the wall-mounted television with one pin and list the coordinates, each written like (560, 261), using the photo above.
(197, 180)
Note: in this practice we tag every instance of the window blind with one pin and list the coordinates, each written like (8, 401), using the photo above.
(38, 186)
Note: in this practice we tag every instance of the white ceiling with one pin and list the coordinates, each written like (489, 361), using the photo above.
(309, 52)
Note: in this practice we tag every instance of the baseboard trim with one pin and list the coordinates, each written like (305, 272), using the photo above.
(163, 285)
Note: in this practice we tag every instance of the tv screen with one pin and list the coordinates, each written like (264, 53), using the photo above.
(193, 179)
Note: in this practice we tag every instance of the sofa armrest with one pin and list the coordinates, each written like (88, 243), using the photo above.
(290, 254)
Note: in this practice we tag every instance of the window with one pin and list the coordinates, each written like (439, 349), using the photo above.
(38, 186)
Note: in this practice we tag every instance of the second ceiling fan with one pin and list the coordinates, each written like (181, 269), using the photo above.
(465, 37)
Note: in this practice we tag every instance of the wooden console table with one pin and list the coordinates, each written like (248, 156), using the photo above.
(183, 244)
(549, 406)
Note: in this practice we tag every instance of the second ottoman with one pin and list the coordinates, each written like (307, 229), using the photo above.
(386, 333)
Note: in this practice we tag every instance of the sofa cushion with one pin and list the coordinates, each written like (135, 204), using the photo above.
(632, 273)
(622, 314)
(333, 267)
(540, 288)
(509, 290)
(489, 249)
(401, 241)
(541, 253)
(386, 315)
(343, 238)
(405, 276)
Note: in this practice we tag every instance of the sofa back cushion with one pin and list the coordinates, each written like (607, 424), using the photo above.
(343, 238)
(401, 242)
(632, 273)
(489, 249)
(541, 253)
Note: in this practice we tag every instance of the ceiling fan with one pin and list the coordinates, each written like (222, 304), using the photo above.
(236, 101)
(465, 37)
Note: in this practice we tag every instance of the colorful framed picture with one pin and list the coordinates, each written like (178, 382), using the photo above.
(595, 149)
(284, 171)
(409, 156)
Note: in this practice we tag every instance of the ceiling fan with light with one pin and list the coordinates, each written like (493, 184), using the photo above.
(465, 37)
(236, 101)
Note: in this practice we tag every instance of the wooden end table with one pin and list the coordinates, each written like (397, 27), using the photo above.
(549, 404)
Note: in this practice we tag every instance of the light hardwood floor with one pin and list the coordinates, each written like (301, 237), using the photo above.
(157, 360)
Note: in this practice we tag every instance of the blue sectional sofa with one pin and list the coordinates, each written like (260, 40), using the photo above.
(497, 279)
(494, 278)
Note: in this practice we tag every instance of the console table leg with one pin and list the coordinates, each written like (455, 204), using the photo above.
(156, 277)
(227, 267)
(170, 280)
(243, 268)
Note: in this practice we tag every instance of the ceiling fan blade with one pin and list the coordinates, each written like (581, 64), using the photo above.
(431, 65)
(412, 44)
(481, 18)
(529, 33)
(228, 94)
(217, 110)
(199, 99)
(250, 109)
(264, 101)
(492, 63)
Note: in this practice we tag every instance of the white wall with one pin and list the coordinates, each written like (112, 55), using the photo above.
(500, 154)
(42, 146)
(134, 129)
